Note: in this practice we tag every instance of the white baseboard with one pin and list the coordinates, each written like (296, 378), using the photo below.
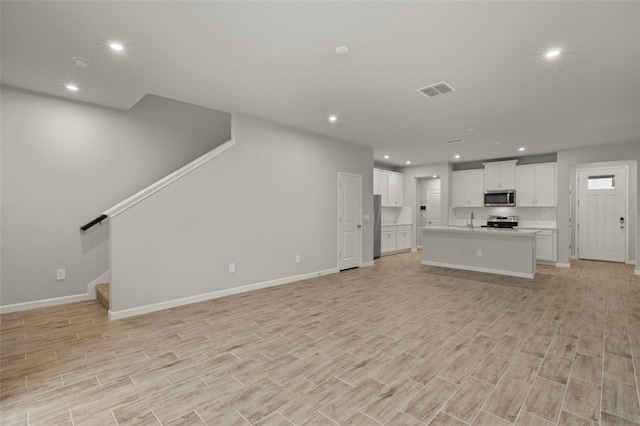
(365, 264)
(25, 306)
(36, 304)
(91, 287)
(636, 272)
(479, 269)
(414, 250)
(387, 253)
(563, 265)
(124, 313)
(631, 262)
(573, 257)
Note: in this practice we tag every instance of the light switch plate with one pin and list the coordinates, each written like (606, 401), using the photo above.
(365, 216)
(61, 274)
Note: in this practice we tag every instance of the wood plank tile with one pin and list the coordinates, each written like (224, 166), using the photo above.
(442, 419)
(189, 419)
(608, 419)
(468, 399)
(402, 419)
(429, 368)
(312, 400)
(488, 419)
(545, 398)
(524, 367)
(590, 345)
(432, 326)
(360, 418)
(620, 399)
(583, 399)
(492, 368)
(527, 419)
(568, 419)
(619, 368)
(460, 368)
(556, 368)
(536, 345)
(428, 401)
(507, 398)
(341, 409)
(391, 399)
(587, 368)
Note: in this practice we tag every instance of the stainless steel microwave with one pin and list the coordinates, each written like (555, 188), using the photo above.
(499, 198)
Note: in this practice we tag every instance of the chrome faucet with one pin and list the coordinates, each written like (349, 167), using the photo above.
(471, 223)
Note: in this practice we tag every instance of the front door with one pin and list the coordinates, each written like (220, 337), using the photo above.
(602, 218)
(349, 221)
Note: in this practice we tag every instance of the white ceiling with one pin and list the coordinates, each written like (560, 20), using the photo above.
(277, 60)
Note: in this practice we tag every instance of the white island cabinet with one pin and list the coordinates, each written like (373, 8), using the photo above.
(505, 252)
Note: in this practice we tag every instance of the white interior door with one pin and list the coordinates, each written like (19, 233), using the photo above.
(433, 207)
(602, 218)
(349, 221)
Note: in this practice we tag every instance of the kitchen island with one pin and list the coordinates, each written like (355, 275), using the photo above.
(497, 251)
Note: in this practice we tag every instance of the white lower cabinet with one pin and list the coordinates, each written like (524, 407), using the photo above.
(388, 242)
(395, 238)
(546, 246)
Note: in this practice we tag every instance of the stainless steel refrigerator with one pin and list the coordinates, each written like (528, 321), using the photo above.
(377, 225)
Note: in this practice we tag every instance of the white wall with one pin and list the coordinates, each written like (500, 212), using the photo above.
(271, 196)
(567, 162)
(65, 162)
(411, 176)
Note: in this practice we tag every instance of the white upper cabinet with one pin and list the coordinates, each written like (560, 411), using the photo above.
(381, 185)
(390, 186)
(536, 185)
(500, 175)
(467, 188)
(396, 189)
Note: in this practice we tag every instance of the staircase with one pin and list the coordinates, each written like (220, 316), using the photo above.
(102, 293)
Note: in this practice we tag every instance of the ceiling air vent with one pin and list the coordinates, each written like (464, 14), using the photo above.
(436, 89)
(455, 141)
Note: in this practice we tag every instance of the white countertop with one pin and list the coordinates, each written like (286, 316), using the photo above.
(542, 228)
(478, 230)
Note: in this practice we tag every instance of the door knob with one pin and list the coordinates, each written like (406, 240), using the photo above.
(359, 226)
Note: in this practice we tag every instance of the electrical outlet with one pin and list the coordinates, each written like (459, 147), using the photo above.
(297, 258)
(61, 274)
(479, 252)
(232, 267)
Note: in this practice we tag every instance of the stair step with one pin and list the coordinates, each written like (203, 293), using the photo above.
(102, 293)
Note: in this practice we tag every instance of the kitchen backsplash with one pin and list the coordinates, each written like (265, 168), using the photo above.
(393, 215)
(527, 217)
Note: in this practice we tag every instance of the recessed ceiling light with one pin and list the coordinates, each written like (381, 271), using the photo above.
(386, 157)
(552, 53)
(81, 62)
(456, 156)
(434, 176)
(332, 118)
(522, 148)
(116, 46)
(72, 87)
(470, 129)
(497, 143)
(408, 162)
(342, 50)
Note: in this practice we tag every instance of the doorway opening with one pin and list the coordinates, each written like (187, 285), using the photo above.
(429, 205)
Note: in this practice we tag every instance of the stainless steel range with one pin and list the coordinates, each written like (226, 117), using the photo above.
(502, 222)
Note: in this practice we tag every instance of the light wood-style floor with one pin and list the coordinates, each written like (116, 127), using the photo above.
(396, 343)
